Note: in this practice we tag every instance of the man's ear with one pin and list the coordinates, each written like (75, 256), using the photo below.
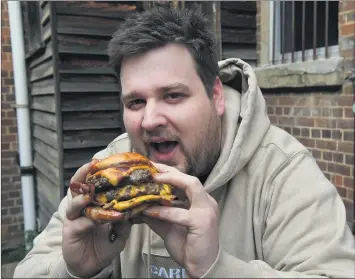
(218, 96)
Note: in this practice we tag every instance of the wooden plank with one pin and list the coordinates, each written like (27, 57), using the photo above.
(88, 78)
(47, 168)
(45, 56)
(91, 8)
(91, 120)
(75, 158)
(43, 3)
(42, 71)
(88, 138)
(79, 25)
(85, 87)
(48, 189)
(72, 63)
(81, 45)
(45, 208)
(240, 6)
(56, 59)
(90, 102)
(238, 36)
(68, 69)
(46, 151)
(43, 218)
(43, 87)
(45, 15)
(235, 51)
(44, 119)
(44, 103)
(46, 33)
(212, 9)
(45, 135)
(230, 19)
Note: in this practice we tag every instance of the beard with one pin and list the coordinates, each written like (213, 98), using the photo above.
(200, 155)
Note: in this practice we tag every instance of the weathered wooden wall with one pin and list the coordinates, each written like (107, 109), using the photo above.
(44, 114)
(238, 21)
(89, 93)
(74, 96)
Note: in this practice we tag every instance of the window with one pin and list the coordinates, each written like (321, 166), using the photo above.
(303, 30)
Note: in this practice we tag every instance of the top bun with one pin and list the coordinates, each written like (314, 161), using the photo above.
(126, 159)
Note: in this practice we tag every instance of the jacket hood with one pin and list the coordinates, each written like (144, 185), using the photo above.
(244, 122)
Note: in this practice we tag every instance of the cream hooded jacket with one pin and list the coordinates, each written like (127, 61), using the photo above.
(279, 215)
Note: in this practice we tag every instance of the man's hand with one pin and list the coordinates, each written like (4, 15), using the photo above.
(86, 246)
(190, 235)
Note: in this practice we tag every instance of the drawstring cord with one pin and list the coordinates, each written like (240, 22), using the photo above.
(149, 252)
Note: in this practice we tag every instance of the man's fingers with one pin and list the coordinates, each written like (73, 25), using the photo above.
(81, 173)
(80, 225)
(178, 216)
(78, 203)
(163, 168)
(189, 184)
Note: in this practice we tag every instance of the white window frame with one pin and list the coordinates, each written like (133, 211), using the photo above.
(333, 51)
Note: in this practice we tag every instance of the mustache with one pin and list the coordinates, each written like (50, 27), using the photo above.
(148, 136)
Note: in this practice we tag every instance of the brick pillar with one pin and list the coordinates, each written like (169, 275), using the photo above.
(347, 49)
(11, 202)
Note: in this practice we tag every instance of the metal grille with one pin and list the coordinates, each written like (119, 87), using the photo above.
(303, 30)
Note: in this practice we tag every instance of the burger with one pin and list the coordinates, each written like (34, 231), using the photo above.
(121, 187)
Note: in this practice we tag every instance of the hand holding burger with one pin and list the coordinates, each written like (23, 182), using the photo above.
(107, 194)
(121, 186)
(86, 248)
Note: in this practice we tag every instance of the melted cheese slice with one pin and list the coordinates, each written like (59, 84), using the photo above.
(124, 205)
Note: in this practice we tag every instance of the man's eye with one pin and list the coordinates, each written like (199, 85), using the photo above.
(135, 103)
(174, 96)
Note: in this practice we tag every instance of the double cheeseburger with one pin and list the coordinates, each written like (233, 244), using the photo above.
(122, 186)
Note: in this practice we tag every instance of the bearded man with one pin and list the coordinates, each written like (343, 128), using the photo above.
(259, 204)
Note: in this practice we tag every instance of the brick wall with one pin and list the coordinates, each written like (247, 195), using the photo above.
(11, 203)
(324, 122)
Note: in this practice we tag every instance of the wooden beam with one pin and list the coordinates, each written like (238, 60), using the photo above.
(85, 87)
(76, 121)
(43, 57)
(88, 138)
(45, 135)
(42, 71)
(44, 119)
(43, 87)
(212, 9)
(91, 102)
(43, 103)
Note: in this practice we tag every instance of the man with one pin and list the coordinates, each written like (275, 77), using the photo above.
(260, 206)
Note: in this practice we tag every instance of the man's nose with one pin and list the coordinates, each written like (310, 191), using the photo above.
(153, 117)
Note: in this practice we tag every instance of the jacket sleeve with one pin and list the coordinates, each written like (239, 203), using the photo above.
(45, 259)
(305, 232)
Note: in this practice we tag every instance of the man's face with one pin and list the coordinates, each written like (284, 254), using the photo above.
(167, 114)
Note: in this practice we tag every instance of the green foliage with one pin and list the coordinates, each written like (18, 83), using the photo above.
(13, 255)
(18, 253)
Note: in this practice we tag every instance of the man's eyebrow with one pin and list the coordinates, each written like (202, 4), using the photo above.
(129, 96)
(175, 86)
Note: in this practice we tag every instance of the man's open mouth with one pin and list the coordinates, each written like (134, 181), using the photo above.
(164, 146)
